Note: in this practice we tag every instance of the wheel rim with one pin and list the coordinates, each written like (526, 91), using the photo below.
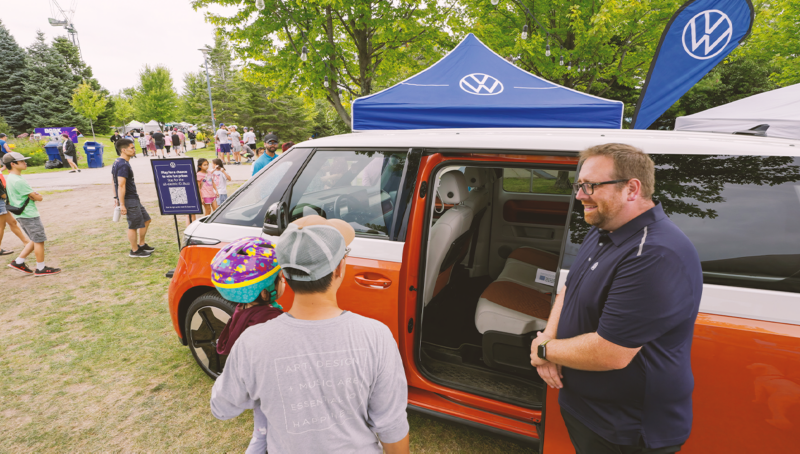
(205, 328)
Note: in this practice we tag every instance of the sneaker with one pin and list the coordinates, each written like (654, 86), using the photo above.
(139, 254)
(46, 271)
(5, 252)
(24, 268)
(147, 248)
(71, 171)
(79, 170)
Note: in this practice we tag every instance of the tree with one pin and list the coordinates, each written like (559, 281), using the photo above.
(155, 97)
(88, 103)
(774, 39)
(605, 44)
(193, 104)
(3, 125)
(123, 110)
(47, 89)
(358, 45)
(12, 81)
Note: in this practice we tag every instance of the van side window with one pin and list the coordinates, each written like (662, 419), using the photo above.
(249, 204)
(538, 181)
(359, 187)
(742, 213)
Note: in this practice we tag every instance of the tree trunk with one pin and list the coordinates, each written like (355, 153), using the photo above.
(562, 180)
(92, 126)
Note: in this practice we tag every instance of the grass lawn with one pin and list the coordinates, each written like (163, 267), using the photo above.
(109, 155)
(91, 363)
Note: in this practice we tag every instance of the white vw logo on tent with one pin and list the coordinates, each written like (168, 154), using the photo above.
(713, 19)
(481, 84)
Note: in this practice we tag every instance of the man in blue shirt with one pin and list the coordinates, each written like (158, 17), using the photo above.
(4, 148)
(271, 140)
(619, 337)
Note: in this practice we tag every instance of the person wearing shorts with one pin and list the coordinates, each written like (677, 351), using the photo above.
(126, 196)
(7, 218)
(224, 143)
(18, 191)
(167, 143)
(158, 137)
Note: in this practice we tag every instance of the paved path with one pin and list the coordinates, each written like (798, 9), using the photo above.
(141, 169)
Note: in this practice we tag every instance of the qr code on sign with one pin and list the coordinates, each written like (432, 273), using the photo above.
(178, 196)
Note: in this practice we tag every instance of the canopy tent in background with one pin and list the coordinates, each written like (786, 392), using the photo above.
(152, 125)
(132, 125)
(780, 109)
(473, 87)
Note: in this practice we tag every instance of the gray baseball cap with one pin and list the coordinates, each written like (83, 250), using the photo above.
(314, 245)
(14, 157)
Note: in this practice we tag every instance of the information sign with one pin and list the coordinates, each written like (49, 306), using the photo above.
(176, 186)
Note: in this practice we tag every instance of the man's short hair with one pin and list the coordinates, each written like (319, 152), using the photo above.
(123, 143)
(629, 163)
(2, 134)
(321, 285)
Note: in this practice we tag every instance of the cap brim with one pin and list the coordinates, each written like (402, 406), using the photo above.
(344, 228)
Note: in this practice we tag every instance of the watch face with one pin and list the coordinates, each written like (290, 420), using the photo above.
(541, 351)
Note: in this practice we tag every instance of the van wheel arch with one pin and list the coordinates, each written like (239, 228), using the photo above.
(183, 307)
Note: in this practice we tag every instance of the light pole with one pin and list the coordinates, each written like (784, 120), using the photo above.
(208, 82)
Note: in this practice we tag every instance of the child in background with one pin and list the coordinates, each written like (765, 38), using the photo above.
(208, 189)
(221, 179)
(246, 272)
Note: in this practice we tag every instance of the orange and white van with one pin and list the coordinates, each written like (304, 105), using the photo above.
(449, 224)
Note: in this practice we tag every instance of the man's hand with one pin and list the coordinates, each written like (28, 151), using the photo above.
(122, 209)
(535, 360)
(551, 374)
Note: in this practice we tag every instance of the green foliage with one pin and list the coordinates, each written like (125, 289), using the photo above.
(32, 149)
(47, 89)
(123, 110)
(775, 39)
(12, 82)
(155, 97)
(326, 121)
(360, 45)
(88, 103)
(4, 126)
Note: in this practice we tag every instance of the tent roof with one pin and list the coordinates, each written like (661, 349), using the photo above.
(473, 87)
(780, 109)
(134, 124)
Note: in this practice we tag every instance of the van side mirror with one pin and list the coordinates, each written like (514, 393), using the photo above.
(275, 219)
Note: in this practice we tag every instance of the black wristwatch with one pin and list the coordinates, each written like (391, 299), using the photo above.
(541, 351)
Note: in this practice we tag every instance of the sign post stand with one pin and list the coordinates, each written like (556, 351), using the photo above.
(177, 189)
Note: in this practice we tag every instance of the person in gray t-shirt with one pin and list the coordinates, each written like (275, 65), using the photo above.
(327, 380)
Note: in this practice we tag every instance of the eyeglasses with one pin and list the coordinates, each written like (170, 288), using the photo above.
(272, 142)
(588, 188)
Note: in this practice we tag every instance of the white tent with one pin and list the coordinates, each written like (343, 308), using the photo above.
(132, 125)
(780, 109)
(152, 125)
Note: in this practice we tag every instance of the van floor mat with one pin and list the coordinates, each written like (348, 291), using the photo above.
(484, 383)
(449, 319)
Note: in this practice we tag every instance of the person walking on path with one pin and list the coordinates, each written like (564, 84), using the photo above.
(144, 141)
(192, 139)
(221, 179)
(151, 145)
(249, 139)
(262, 161)
(167, 143)
(127, 198)
(208, 189)
(182, 137)
(249, 264)
(176, 142)
(618, 339)
(224, 143)
(114, 139)
(236, 145)
(159, 138)
(70, 154)
(360, 403)
(21, 194)
(7, 219)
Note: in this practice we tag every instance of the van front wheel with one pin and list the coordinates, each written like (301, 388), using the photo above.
(205, 320)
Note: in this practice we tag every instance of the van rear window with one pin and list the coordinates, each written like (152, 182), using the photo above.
(742, 213)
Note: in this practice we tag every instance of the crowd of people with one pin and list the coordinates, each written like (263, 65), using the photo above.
(158, 144)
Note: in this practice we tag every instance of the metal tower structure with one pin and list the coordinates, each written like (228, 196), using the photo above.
(64, 19)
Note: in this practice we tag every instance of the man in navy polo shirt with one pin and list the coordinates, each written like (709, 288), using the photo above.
(619, 337)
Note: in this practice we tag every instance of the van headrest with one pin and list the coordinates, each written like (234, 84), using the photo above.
(453, 187)
(475, 176)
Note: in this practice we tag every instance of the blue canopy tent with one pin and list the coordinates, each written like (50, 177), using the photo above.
(473, 87)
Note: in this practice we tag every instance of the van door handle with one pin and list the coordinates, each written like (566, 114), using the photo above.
(371, 280)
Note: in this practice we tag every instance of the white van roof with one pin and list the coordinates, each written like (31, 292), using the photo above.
(562, 140)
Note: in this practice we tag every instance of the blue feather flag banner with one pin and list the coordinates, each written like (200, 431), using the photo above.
(698, 37)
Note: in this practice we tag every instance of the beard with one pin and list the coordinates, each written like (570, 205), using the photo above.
(606, 211)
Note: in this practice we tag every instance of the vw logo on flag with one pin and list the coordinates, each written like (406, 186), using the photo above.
(481, 84)
(707, 34)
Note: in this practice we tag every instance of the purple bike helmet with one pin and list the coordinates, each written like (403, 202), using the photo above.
(245, 267)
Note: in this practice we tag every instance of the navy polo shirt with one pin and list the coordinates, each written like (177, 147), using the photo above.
(638, 286)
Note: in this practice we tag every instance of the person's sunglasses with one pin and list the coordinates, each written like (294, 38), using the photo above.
(272, 142)
(588, 188)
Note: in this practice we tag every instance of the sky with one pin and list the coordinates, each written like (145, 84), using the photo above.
(118, 38)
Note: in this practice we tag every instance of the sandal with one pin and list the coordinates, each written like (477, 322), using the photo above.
(5, 252)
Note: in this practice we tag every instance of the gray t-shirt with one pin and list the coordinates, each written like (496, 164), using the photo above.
(325, 385)
(222, 135)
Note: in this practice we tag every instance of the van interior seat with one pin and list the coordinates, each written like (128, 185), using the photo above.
(480, 196)
(450, 235)
(514, 303)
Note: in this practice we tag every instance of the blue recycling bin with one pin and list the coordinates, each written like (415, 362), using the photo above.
(94, 154)
(52, 151)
